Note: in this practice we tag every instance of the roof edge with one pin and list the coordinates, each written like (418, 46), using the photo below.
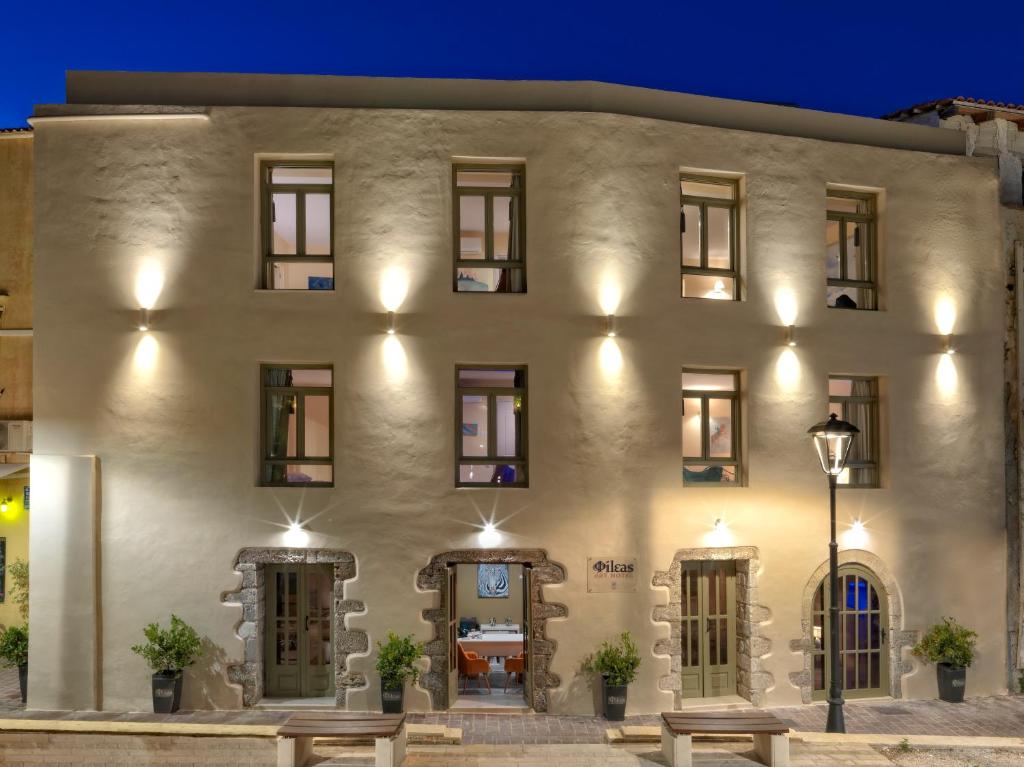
(212, 89)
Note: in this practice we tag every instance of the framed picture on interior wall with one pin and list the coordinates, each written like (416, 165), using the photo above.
(492, 581)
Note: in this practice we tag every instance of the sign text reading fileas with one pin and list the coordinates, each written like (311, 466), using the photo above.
(611, 566)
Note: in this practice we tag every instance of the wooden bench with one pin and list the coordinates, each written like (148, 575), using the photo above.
(771, 736)
(295, 737)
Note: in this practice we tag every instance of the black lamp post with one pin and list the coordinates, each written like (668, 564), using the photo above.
(832, 440)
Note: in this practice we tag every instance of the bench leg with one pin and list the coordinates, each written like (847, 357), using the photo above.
(773, 750)
(294, 752)
(677, 749)
(390, 752)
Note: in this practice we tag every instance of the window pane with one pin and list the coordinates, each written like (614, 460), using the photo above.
(299, 474)
(689, 235)
(819, 672)
(317, 426)
(708, 286)
(491, 378)
(471, 227)
(709, 475)
(490, 281)
(300, 175)
(846, 204)
(832, 235)
(318, 224)
(283, 226)
(709, 381)
(474, 425)
(691, 427)
(498, 179)
(508, 410)
(491, 474)
(818, 630)
(857, 249)
(302, 275)
(719, 238)
(281, 425)
(311, 376)
(720, 428)
(721, 191)
(501, 212)
(839, 387)
(850, 298)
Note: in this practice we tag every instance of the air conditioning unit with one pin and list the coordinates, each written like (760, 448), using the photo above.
(15, 436)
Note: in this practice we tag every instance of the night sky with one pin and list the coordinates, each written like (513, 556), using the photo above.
(862, 57)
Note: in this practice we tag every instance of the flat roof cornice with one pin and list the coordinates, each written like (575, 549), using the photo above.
(256, 90)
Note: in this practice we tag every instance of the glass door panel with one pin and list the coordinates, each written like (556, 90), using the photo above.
(299, 636)
(707, 630)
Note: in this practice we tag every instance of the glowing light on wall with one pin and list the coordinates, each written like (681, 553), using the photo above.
(856, 537)
(609, 326)
(787, 369)
(719, 535)
(945, 315)
(489, 536)
(785, 307)
(396, 365)
(149, 283)
(946, 378)
(394, 286)
(609, 296)
(147, 350)
(296, 536)
(610, 358)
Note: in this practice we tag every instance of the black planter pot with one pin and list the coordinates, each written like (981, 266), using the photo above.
(166, 692)
(613, 697)
(952, 682)
(23, 682)
(391, 699)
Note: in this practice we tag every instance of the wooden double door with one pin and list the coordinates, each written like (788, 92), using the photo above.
(299, 651)
(708, 629)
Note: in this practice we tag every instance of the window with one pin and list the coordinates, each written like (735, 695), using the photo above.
(855, 399)
(490, 437)
(489, 208)
(711, 434)
(298, 225)
(297, 425)
(708, 229)
(850, 244)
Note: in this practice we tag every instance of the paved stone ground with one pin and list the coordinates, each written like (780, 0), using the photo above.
(1001, 716)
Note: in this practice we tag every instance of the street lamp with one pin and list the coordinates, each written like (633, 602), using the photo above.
(833, 439)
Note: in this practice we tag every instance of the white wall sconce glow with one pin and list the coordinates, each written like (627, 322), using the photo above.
(857, 536)
(785, 307)
(146, 353)
(719, 292)
(396, 364)
(945, 315)
(609, 326)
(489, 535)
(610, 358)
(394, 287)
(296, 536)
(609, 297)
(149, 284)
(946, 377)
(720, 534)
(787, 368)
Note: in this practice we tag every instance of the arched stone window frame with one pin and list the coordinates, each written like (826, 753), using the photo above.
(900, 639)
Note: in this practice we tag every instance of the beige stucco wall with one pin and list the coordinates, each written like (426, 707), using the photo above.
(174, 419)
(16, 274)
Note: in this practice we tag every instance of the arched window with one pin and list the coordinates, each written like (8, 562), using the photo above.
(863, 635)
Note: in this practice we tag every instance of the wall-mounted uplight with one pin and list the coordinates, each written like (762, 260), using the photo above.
(394, 286)
(391, 323)
(790, 335)
(609, 326)
(144, 320)
(489, 535)
(947, 344)
(296, 536)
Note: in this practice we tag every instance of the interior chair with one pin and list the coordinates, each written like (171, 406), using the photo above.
(514, 667)
(472, 665)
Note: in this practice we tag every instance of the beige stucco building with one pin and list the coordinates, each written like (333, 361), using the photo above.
(161, 485)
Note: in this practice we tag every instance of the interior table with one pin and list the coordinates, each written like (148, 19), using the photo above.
(494, 645)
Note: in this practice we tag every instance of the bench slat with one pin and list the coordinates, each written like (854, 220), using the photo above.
(724, 722)
(313, 724)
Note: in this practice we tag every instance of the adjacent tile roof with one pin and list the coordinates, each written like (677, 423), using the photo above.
(15, 130)
(940, 105)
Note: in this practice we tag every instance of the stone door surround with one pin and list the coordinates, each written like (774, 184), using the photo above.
(752, 680)
(250, 564)
(433, 577)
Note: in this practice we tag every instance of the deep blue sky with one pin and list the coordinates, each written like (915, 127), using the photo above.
(862, 57)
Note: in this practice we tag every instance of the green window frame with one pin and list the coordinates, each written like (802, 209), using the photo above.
(839, 281)
(513, 267)
(268, 188)
(517, 463)
(861, 408)
(274, 466)
(704, 459)
(703, 204)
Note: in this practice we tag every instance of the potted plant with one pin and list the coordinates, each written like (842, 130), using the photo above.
(950, 647)
(168, 652)
(14, 652)
(396, 663)
(617, 664)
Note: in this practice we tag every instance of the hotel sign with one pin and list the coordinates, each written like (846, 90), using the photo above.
(611, 574)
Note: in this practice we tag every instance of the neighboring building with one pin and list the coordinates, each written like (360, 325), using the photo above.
(215, 289)
(15, 356)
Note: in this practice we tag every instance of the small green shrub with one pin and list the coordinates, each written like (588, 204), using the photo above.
(904, 747)
(169, 651)
(947, 642)
(396, 660)
(14, 646)
(617, 663)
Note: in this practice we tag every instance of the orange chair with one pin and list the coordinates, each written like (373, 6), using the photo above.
(472, 665)
(514, 666)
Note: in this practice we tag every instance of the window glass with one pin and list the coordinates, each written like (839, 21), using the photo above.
(721, 191)
(297, 426)
(855, 400)
(719, 238)
(490, 228)
(720, 428)
(704, 286)
(689, 234)
(506, 418)
(318, 224)
(692, 423)
(298, 237)
(491, 443)
(502, 216)
(709, 381)
(474, 425)
(850, 244)
(710, 432)
(708, 218)
(302, 175)
(283, 212)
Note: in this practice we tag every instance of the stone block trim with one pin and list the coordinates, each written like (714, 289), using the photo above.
(250, 564)
(900, 639)
(433, 577)
(752, 646)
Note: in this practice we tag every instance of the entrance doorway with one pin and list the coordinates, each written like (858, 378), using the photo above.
(299, 641)
(708, 629)
(489, 618)
(863, 635)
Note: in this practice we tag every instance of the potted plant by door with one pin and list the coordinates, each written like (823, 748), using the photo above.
(950, 647)
(168, 651)
(14, 652)
(617, 664)
(396, 663)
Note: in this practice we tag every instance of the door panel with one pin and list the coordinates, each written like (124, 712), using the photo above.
(453, 634)
(527, 629)
(299, 654)
(708, 629)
